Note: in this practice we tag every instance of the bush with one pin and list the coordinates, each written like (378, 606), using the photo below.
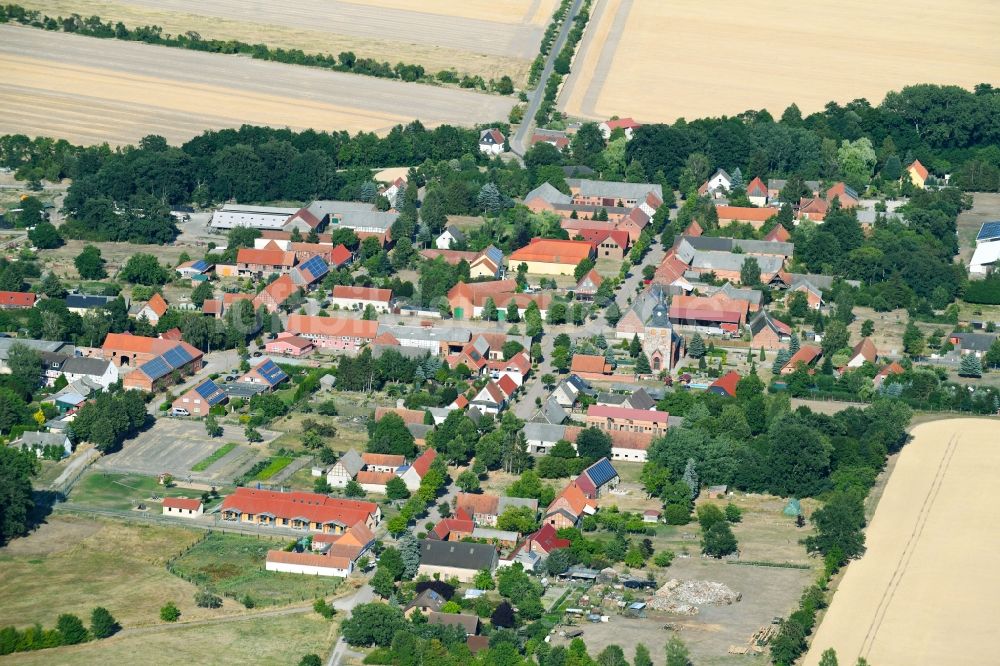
(324, 609)
(734, 514)
(103, 623)
(204, 599)
(248, 601)
(71, 629)
(664, 558)
(170, 612)
(676, 514)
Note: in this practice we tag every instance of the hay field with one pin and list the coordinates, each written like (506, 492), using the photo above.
(659, 61)
(928, 589)
(475, 36)
(90, 90)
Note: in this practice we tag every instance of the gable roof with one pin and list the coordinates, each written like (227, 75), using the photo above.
(865, 348)
(181, 503)
(269, 371)
(460, 555)
(763, 319)
(778, 234)
(745, 213)
(383, 459)
(17, 299)
(468, 623)
(550, 250)
(157, 305)
(478, 503)
(339, 255)
(726, 383)
(249, 255)
(547, 540)
(351, 462)
(332, 326)
(612, 412)
(806, 354)
(362, 293)
(310, 506)
(423, 463)
(278, 291)
(590, 363)
(757, 188)
(547, 192)
(919, 168)
(600, 473)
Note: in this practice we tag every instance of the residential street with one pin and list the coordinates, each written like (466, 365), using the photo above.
(526, 407)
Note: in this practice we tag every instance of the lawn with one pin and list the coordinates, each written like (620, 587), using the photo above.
(277, 464)
(255, 640)
(232, 565)
(107, 490)
(207, 462)
(72, 564)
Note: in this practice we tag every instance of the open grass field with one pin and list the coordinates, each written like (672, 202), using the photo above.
(659, 61)
(95, 90)
(476, 37)
(928, 589)
(71, 565)
(122, 492)
(270, 640)
(232, 565)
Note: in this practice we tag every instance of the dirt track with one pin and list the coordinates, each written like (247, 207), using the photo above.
(128, 90)
(474, 36)
(928, 589)
(659, 61)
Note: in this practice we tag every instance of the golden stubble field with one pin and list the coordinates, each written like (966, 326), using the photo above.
(474, 36)
(658, 61)
(89, 90)
(928, 589)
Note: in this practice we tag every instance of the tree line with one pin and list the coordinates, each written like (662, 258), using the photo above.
(346, 61)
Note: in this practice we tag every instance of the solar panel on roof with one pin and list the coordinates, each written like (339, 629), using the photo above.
(494, 254)
(155, 368)
(199, 265)
(271, 373)
(315, 267)
(206, 389)
(989, 231)
(177, 356)
(601, 472)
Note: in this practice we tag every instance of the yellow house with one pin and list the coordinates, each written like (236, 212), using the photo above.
(918, 174)
(547, 256)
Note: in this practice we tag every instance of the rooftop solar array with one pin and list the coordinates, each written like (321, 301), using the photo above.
(316, 267)
(990, 231)
(494, 254)
(177, 356)
(271, 373)
(601, 472)
(200, 265)
(155, 368)
(210, 392)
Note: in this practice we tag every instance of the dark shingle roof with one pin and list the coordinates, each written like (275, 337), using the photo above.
(458, 554)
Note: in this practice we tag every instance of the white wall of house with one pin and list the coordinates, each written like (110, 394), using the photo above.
(631, 455)
(183, 513)
(309, 570)
(359, 304)
(338, 476)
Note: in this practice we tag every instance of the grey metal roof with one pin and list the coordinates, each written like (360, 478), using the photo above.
(457, 554)
(86, 365)
(976, 341)
(436, 333)
(488, 533)
(752, 295)
(36, 345)
(372, 219)
(547, 192)
(507, 502)
(87, 301)
(455, 232)
(716, 244)
(351, 462)
(728, 261)
(603, 188)
(553, 412)
(613, 399)
(641, 400)
(543, 432)
(41, 439)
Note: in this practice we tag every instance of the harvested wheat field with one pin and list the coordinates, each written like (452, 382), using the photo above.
(928, 589)
(659, 61)
(91, 90)
(474, 36)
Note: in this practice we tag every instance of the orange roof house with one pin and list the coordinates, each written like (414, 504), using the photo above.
(918, 174)
(757, 192)
(274, 295)
(726, 384)
(865, 350)
(254, 262)
(779, 234)
(547, 256)
(312, 511)
(806, 355)
(16, 299)
(592, 365)
(756, 217)
(358, 298)
(155, 308)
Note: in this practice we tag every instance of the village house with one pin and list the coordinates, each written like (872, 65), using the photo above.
(568, 391)
(251, 262)
(81, 304)
(627, 125)
(755, 217)
(464, 298)
(456, 528)
(274, 295)
(153, 309)
(16, 300)
(767, 332)
(775, 185)
(813, 208)
(374, 482)
(588, 285)
(492, 141)
(568, 508)
(298, 510)
(484, 509)
(414, 473)
(467, 623)
(551, 137)
(182, 507)
(195, 270)
(310, 564)
(425, 602)
(844, 193)
(231, 216)
(544, 541)
(973, 343)
(38, 442)
(757, 192)
(718, 185)
(393, 190)
(451, 235)
(590, 366)
(288, 344)
(547, 256)
(893, 368)
(986, 258)
(94, 370)
(333, 332)
(358, 298)
(199, 400)
(725, 385)
(598, 480)
(154, 360)
(608, 418)
(646, 196)
(806, 356)
(713, 315)
(864, 351)
(494, 396)
(459, 560)
(345, 469)
(266, 374)
(918, 174)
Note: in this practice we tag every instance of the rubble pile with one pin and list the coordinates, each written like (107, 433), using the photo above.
(684, 597)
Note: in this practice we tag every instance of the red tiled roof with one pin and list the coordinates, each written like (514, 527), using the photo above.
(698, 308)
(452, 257)
(919, 168)
(867, 349)
(279, 290)
(339, 255)
(594, 277)
(383, 459)
(291, 340)
(588, 363)
(306, 216)
(157, 305)
(362, 293)
(17, 299)
(374, 478)
(310, 506)
(181, 503)
(694, 229)
(624, 123)
(461, 402)
(332, 327)
(806, 354)
(507, 385)
(744, 213)
(249, 255)
(727, 383)
(893, 368)
(211, 306)
(229, 299)
(471, 504)
(409, 416)
(138, 344)
(757, 188)
(548, 541)
(173, 334)
(549, 250)
(423, 463)
(586, 485)
(598, 236)
(779, 234)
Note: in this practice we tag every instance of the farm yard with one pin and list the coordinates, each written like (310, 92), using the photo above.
(926, 590)
(678, 59)
(475, 37)
(96, 90)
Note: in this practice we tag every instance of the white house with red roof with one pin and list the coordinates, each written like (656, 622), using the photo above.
(414, 474)
(297, 510)
(627, 124)
(155, 308)
(358, 298)
(494, 396)
(757, 192)
(492, 141)
(182, 507)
